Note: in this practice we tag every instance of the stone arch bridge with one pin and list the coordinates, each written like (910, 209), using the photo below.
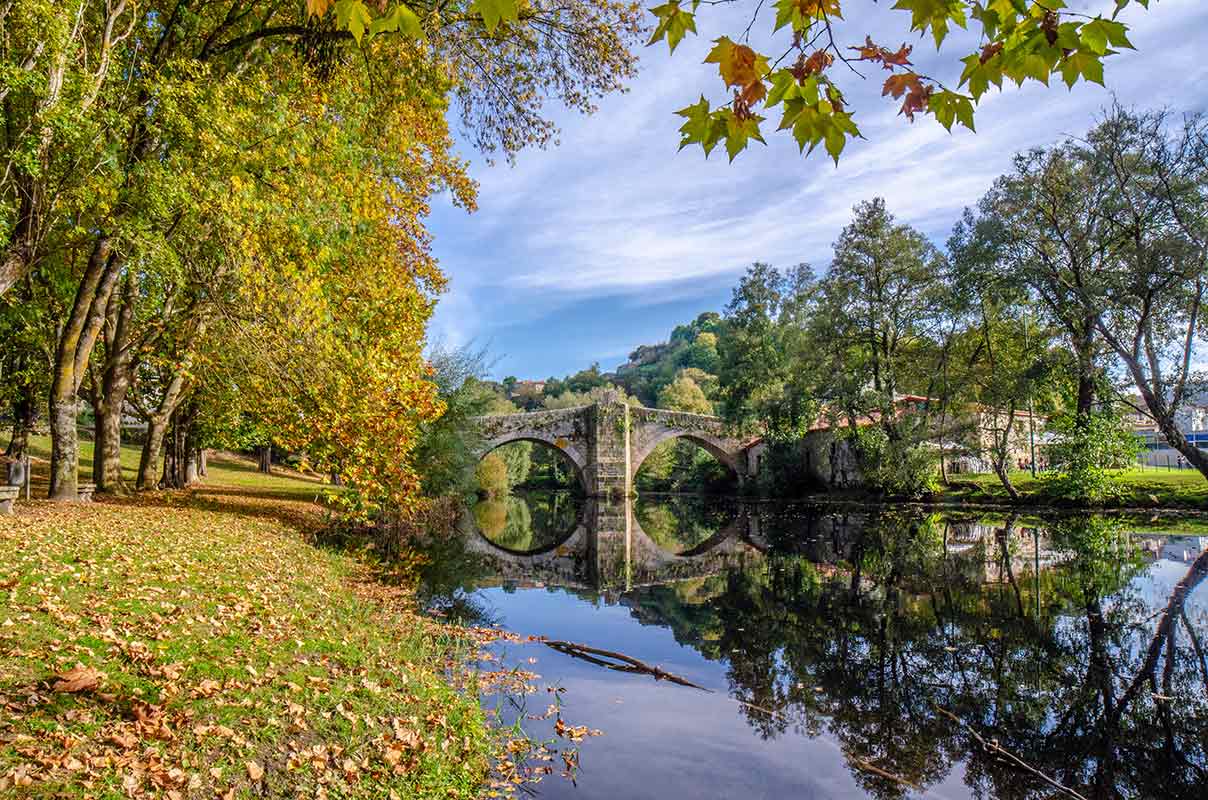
(608, 441)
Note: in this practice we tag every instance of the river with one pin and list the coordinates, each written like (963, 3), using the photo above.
(844, 651)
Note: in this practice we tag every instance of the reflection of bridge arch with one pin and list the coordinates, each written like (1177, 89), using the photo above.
(609, 549)
(559, 444)
(563, 540)
(737, 529)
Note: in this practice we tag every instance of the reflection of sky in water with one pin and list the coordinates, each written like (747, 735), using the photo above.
(662, 741)
(675, 743)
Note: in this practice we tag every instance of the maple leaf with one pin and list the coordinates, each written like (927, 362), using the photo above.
(817, 62)
(77, 679)
(915, 102)
(125, 741)
(869, 51)
(736, 63)
(901, 58)
(898, 85)
(949, 107)
(819, 8)
(752, 93)
(908, 84)
(254, 771)
(836, 99)
(801, 13)
(317, 7)
(494, 12)
(674, 24)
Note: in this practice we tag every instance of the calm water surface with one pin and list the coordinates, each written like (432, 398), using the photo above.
(830, 642)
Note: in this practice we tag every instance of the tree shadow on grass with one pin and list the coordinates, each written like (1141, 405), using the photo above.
(301, 515)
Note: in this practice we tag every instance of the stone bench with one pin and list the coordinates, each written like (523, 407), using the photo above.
(85, 491)
(7, 495)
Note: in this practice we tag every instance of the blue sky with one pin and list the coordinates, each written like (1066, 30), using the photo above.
(581, 252)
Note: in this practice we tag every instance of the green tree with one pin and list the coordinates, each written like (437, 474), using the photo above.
(492, 475)
(1055, 236)
(683, 394)
(765, 375)
(1003, 354)
(881, 312)
(571, 399)
(585, 380)
(1149, 307)
(125, 119)
(1086, 451)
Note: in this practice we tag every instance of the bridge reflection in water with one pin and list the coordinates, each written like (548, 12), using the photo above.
(605, 547)
(621, 544)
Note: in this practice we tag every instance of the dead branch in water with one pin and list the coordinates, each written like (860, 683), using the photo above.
(596, 656)
(997, 749)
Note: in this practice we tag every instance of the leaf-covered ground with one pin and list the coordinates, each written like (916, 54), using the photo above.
(196, 645)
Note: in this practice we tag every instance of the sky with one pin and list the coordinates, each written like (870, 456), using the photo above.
(581, 252)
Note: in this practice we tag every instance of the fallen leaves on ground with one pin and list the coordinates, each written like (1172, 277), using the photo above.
(196, 644)
(77, 679)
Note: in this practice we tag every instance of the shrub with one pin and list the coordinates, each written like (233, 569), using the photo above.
(897, 467)
(1086, 452)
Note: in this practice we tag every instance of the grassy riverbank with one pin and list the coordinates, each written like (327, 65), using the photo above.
(196, 644)
(1136, 488)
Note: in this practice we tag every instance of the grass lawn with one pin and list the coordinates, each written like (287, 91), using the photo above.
(1185, 488)
(195, 644)
(230, 471)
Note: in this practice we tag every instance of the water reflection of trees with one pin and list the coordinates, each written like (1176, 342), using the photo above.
(680, 523)
(1071, 670)
(528, 521)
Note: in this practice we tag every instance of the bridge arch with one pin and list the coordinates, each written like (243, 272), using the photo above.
(715, 446)
(568, 449)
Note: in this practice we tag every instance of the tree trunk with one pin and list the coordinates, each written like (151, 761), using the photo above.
(15, 264)
(1176, 439)
(76, 341)
(1161, 409)
(174, 457)
(202, 468)
(265, 455)
(180, 454)
(25, 412)
(1086, 377)
(1005, 479)
(19, 250)
(64, 450)
(158, 419)
(1001, 456)
(157, 426)
(157, 429)
(191, 474)
(110, 399)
